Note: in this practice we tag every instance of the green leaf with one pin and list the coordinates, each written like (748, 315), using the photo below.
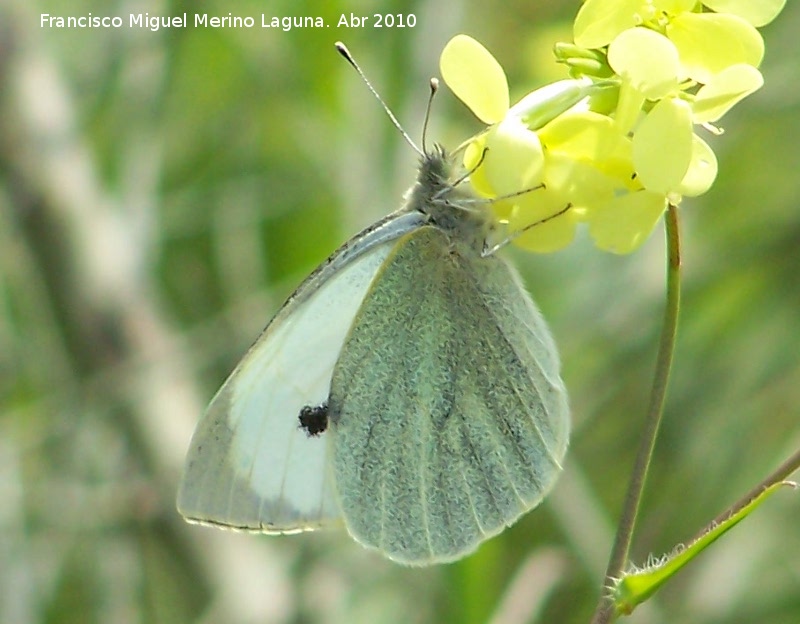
(637, 586)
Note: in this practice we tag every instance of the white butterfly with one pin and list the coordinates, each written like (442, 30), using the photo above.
(409, 387)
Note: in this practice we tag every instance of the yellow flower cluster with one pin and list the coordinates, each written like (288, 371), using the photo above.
(664, 66)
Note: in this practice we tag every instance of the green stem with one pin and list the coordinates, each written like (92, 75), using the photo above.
(605, 611)
(781, 473)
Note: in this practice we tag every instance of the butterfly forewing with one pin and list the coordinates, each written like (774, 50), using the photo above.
(250, 464)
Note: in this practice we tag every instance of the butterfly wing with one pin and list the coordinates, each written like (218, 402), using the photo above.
(250, 464)
(443, 443)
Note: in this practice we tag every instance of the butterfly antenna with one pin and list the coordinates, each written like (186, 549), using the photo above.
(434, 88)
(349, 58)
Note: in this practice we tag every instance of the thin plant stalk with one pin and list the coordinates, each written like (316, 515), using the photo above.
(780, 474)
(622, 542)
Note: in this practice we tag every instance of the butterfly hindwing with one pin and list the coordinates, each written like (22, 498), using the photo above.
(449, 451)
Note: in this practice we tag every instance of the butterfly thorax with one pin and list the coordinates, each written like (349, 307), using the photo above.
(449, 204)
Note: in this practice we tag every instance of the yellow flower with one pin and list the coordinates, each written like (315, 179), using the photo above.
(615, 144)
(508, 158)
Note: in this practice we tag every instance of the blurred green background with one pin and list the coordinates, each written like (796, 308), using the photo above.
(162, 192)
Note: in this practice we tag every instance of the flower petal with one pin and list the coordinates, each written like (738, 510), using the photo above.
(725, 89)
(473, 155)
(647, 59)
(702, 169)
(592, 138)
(662, 146)
(544, 237)
(624, 223)
(579, 184)
(475, 76)
(709, 42)
(515, 158)
(599, 21)
(758, 13)
(673, 7)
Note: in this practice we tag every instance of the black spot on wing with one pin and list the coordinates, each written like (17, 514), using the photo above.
(314, 420)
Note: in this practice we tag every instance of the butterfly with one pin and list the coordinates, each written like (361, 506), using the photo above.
(409, 389)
